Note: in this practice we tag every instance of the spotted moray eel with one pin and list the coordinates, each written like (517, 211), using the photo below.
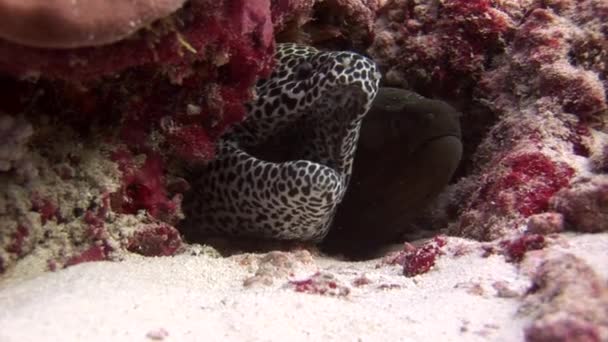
(313, 102)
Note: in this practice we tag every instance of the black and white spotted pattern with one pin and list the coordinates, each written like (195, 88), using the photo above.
(319, 99)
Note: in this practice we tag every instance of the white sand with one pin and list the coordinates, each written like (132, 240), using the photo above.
(200, 298)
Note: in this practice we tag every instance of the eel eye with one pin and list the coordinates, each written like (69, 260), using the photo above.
(303, 70)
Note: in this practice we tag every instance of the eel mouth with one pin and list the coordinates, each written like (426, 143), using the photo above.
(435, 138)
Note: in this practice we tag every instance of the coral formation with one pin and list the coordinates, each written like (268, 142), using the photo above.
(103, 133)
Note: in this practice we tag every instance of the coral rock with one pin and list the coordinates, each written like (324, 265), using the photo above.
(441, 46)
(515, 249)
(102, 125)
(155, 240)
(546, 223)
(423, 258)
(568, 302)
(548, 100)
(585, 205)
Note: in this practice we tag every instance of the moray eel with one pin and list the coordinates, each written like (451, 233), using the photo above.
(310, 109)
(408, 150)
(283, 173)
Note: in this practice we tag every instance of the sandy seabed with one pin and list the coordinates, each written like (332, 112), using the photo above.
(270, 297)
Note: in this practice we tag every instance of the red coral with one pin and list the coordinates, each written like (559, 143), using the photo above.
(519, 185)
(93, 253)
(155, 240)
(421, 259)
(532, 179)
(45, 208)
(515, 249)
(209, 58)
(442, 46)
(143, 187)
(204, 23)
(192, 143)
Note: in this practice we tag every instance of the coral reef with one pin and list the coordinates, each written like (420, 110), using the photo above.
(91, 144)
